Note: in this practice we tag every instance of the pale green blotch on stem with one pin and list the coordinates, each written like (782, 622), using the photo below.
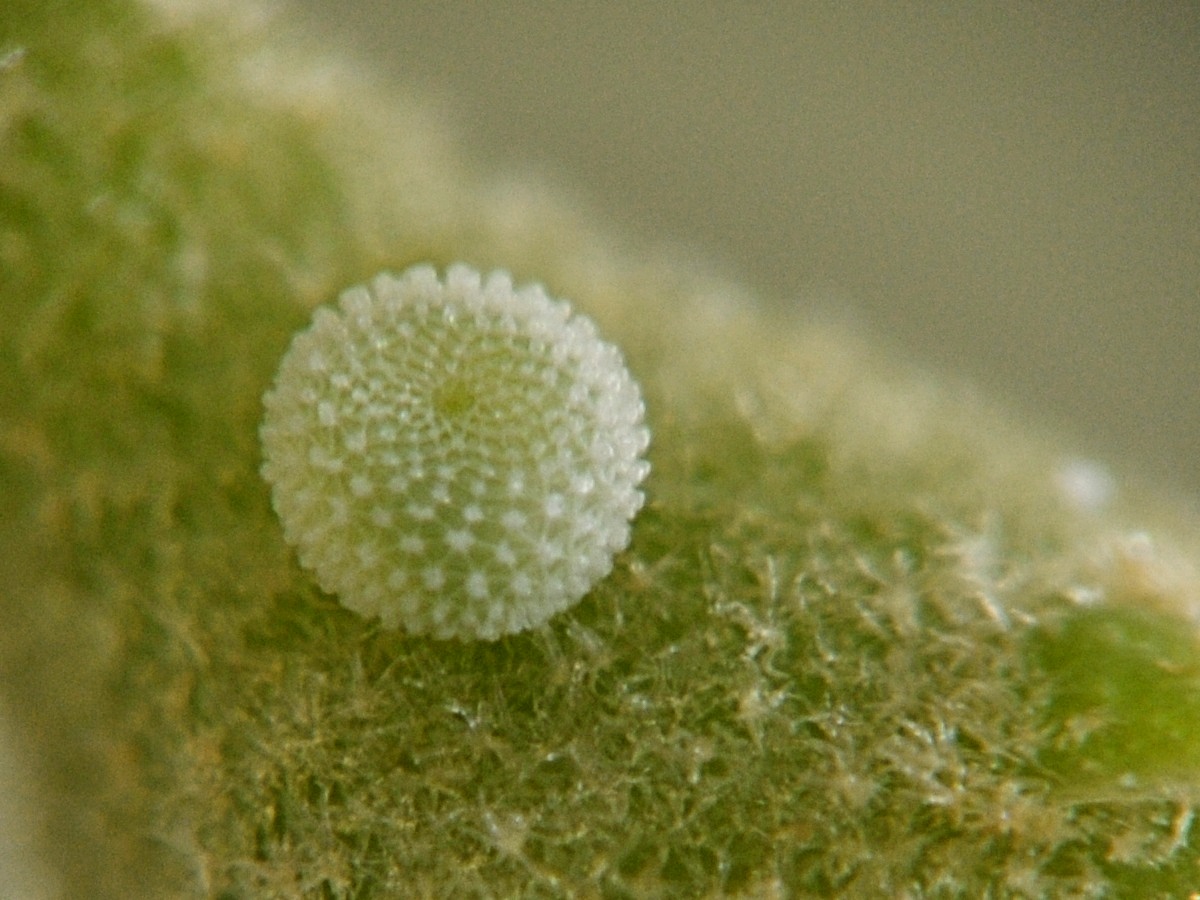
(457, 456)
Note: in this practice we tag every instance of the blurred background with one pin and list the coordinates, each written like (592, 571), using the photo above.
(1007, 193)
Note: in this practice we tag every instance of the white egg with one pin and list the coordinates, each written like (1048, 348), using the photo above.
(458, 457)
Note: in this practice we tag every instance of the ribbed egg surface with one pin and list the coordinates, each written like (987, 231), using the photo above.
(458, 457)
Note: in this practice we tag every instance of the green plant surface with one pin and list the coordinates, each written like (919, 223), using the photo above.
(863, 643)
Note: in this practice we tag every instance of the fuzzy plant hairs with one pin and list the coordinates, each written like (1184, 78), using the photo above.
(867, 635)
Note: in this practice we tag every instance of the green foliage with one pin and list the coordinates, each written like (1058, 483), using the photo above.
(845, 653)
(1126, 692)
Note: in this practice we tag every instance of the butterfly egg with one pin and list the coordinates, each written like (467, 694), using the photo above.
(456, 456)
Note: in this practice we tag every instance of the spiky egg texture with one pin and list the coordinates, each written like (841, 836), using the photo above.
(457, 456)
